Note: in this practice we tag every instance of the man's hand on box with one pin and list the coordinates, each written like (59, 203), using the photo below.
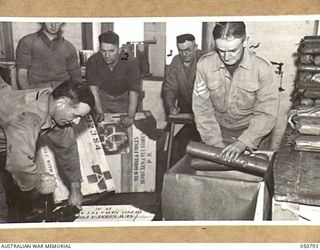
(126, 121)
(75, 196)
(98, 117)
(174, 110)
(47, 184)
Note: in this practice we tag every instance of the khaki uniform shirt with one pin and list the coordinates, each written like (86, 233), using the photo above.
(248, 99)
(24, 116)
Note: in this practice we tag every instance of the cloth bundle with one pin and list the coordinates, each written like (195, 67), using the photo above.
(307, 122)
(308, 125)
(308, 85)
(207, 158)
(307, 143)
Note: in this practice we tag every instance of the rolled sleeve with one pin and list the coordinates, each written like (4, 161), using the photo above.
(24, 53)
(203, 110)
(66, 153)
(265, 111)
(21, 135)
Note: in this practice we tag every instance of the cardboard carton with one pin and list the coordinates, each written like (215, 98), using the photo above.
(189, 194)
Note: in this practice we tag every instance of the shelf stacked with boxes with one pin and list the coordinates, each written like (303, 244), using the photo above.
(308, 82)
(305, 118)
(296, 166)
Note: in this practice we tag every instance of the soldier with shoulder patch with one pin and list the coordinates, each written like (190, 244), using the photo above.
(235, 97)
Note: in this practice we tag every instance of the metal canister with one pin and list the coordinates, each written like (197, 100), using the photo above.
(245, 163)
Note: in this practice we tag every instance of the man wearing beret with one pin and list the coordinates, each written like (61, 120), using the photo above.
(177, 88)
(114, 81)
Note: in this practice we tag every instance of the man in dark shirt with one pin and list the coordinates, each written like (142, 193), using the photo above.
(46, 59)
(114, 81)
(178, 86)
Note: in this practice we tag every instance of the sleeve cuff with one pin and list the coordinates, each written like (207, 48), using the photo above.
(26, 182)
(212, 142)
(247, 142)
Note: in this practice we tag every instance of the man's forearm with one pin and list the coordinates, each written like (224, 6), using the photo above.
(22, 77)
(169, 98)
(133, 103)
(169, 92)
(95, 93)
(75, 197)
(75, 187)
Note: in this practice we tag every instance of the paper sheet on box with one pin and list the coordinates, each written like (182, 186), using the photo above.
(113, 213)
(305, 212)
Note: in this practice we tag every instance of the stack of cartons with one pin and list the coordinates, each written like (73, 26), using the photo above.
(308, 81)
(296, 168)
(306, 118)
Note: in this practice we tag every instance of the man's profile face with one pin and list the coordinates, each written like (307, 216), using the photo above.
(110, 52)
(230, 49)
(52, 28)
(67, 113)
(187, 50)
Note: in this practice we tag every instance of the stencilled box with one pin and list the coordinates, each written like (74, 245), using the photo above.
(95, 170)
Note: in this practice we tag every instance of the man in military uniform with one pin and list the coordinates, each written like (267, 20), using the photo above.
(235, 97)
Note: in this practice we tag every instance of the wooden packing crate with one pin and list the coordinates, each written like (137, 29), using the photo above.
(95, 170)
(133, 166)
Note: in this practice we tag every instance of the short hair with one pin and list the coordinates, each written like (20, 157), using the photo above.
(76, 91)
(185, 37)
(229, 29)
(109, 37)
(43, 23)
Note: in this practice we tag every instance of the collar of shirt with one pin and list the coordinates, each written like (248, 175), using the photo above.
(43, 98)
(245, 63)
(51, 44)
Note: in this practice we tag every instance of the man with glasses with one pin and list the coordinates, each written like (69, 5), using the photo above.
(114, 81)
(235, 97)
(178, 85)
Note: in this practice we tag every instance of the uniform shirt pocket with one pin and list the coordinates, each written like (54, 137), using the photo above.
(217, 92)
(246, 95)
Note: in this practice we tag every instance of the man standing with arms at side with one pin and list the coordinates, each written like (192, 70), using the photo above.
(178, 85)
(235, 97)
(46, 59)
(114, 81)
